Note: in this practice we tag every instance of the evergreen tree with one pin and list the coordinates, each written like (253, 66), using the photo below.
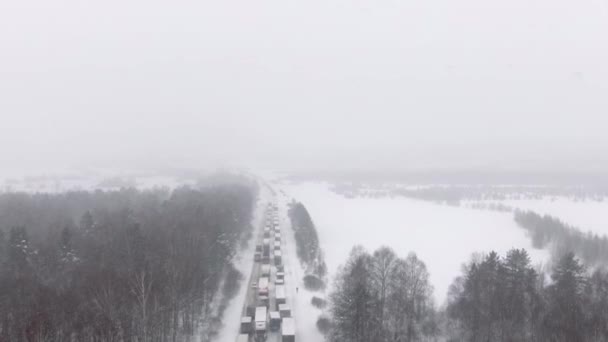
(565, 320)
(596, 306)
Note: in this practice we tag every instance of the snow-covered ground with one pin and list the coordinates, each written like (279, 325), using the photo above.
(304, 313)
(444, 237)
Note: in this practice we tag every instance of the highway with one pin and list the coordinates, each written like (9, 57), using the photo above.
(252, 299)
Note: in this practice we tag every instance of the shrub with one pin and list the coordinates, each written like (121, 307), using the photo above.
(324, 325)
(318, 302)
(313, 283)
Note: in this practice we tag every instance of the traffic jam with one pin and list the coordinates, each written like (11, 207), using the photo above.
(267, 315)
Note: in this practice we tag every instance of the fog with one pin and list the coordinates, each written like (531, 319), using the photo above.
(315, 84)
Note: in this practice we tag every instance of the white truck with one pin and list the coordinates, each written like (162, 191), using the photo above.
(246, 325)
(288, 330)
(279, 291)
(261, 320)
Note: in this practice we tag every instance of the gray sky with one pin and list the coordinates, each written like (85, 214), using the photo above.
(327, 83)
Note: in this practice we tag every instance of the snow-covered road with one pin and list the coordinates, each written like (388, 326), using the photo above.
(299, 299)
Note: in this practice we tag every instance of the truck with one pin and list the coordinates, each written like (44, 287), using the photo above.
(263, 300)
(243, 338)
(266, 248)
(279, 292)
(288, 330)
(275, 321)
(246, 325)
(261, 318)
(265, 270)
(263, 286)
(284, 310)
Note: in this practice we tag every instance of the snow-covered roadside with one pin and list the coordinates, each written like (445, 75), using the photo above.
(244, 264)
(444, 237)
(304, 313)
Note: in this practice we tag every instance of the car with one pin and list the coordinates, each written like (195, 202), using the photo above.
(254, 285)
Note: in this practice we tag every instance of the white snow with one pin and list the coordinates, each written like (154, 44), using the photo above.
(444, 237)
(304, 313)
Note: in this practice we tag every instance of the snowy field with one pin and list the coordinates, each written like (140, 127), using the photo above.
(444, 237)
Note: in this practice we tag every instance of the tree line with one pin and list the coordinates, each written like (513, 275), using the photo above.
(380, 297)
(547, 231)
(307, 240)
(505, 299)
(122, 265)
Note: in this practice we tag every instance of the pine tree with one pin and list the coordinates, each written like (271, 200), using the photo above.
(565, 320)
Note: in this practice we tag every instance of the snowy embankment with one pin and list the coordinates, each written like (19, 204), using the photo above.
(243, 262)
(444, 237)
(304, 313)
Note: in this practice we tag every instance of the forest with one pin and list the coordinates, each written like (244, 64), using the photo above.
(381, 297)
(124, 265)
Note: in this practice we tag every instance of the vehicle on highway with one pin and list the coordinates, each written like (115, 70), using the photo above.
(263, 286)
(266, 249)
(284, 310)
(278, 258)
(261, 318)
(288, 330)
(279, 292)
(263, 300)
(243, 338)
(275, 321)
(246, 325)
(265, 270)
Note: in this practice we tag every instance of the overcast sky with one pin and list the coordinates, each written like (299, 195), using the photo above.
(314, 83)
